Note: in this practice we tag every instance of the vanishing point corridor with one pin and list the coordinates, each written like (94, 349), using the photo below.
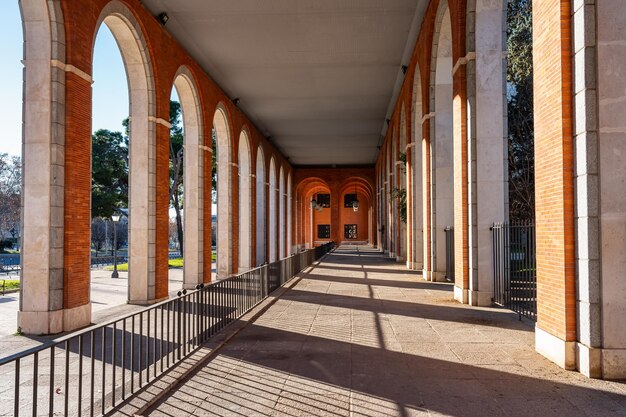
(359, 335)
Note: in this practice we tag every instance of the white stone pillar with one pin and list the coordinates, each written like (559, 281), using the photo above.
(487, 147)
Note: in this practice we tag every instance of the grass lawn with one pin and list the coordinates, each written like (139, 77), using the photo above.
(10, 284)
(172, 263)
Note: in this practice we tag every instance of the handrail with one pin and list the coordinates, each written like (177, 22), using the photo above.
(140, 346)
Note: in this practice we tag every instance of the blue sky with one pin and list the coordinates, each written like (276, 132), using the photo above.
(110, 89)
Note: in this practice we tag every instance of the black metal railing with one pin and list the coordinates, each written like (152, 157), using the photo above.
(515, 267)
(449, 253)
(92, 371)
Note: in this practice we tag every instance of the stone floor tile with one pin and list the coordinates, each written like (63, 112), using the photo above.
(361, 336)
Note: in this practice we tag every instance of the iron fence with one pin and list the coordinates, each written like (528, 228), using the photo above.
(92, 371)
(515, 267)
(449, 253)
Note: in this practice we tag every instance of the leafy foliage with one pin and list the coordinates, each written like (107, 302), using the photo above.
(520, 110)
(109, 181)
(10, 195)
(176, 167)
(214, 166)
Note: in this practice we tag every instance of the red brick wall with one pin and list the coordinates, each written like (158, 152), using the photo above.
(166, 57)
(554, 184)
(360, 218)
(338, 181)
(77, 198)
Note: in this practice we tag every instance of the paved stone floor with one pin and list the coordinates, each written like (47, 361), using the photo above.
(361, 336)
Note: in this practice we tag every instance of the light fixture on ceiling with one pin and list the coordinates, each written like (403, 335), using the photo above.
(404, 69)
(236, 101)
(355, 203)
(163, 18)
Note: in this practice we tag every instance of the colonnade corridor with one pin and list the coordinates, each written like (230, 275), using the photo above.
(360, 335)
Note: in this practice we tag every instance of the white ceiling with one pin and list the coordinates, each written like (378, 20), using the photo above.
(318, 76)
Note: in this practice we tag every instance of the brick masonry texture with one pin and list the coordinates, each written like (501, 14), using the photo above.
(166, 57)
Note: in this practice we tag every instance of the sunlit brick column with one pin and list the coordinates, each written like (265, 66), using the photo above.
(600, 146)
(555, 333)
(161, 256)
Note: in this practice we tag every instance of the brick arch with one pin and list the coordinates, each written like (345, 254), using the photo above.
(364, 217)
(306, 189)
(186, 88)
(133, 46)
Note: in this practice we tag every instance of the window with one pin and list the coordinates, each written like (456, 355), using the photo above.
(350, 231)
(349, 199)
(323, 231)
(323, 200)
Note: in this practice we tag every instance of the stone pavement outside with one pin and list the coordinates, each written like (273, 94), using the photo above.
(361, 336)
(108, 300)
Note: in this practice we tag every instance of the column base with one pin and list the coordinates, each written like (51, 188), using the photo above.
(40, 322)
(77, 317)
(53, 322)
(589, 361)
(614, 363)
(557, 350)
(461, 295)
(148, 302)
(437, 276)
(480, 298)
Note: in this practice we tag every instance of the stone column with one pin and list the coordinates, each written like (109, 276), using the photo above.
(487, 142)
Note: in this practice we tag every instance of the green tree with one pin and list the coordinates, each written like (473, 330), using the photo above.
(214, 166)
(520, 110)
(109, 181)
(10, 196)
(176, 167)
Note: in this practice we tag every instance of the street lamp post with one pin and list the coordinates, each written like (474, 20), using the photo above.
(116, 219)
